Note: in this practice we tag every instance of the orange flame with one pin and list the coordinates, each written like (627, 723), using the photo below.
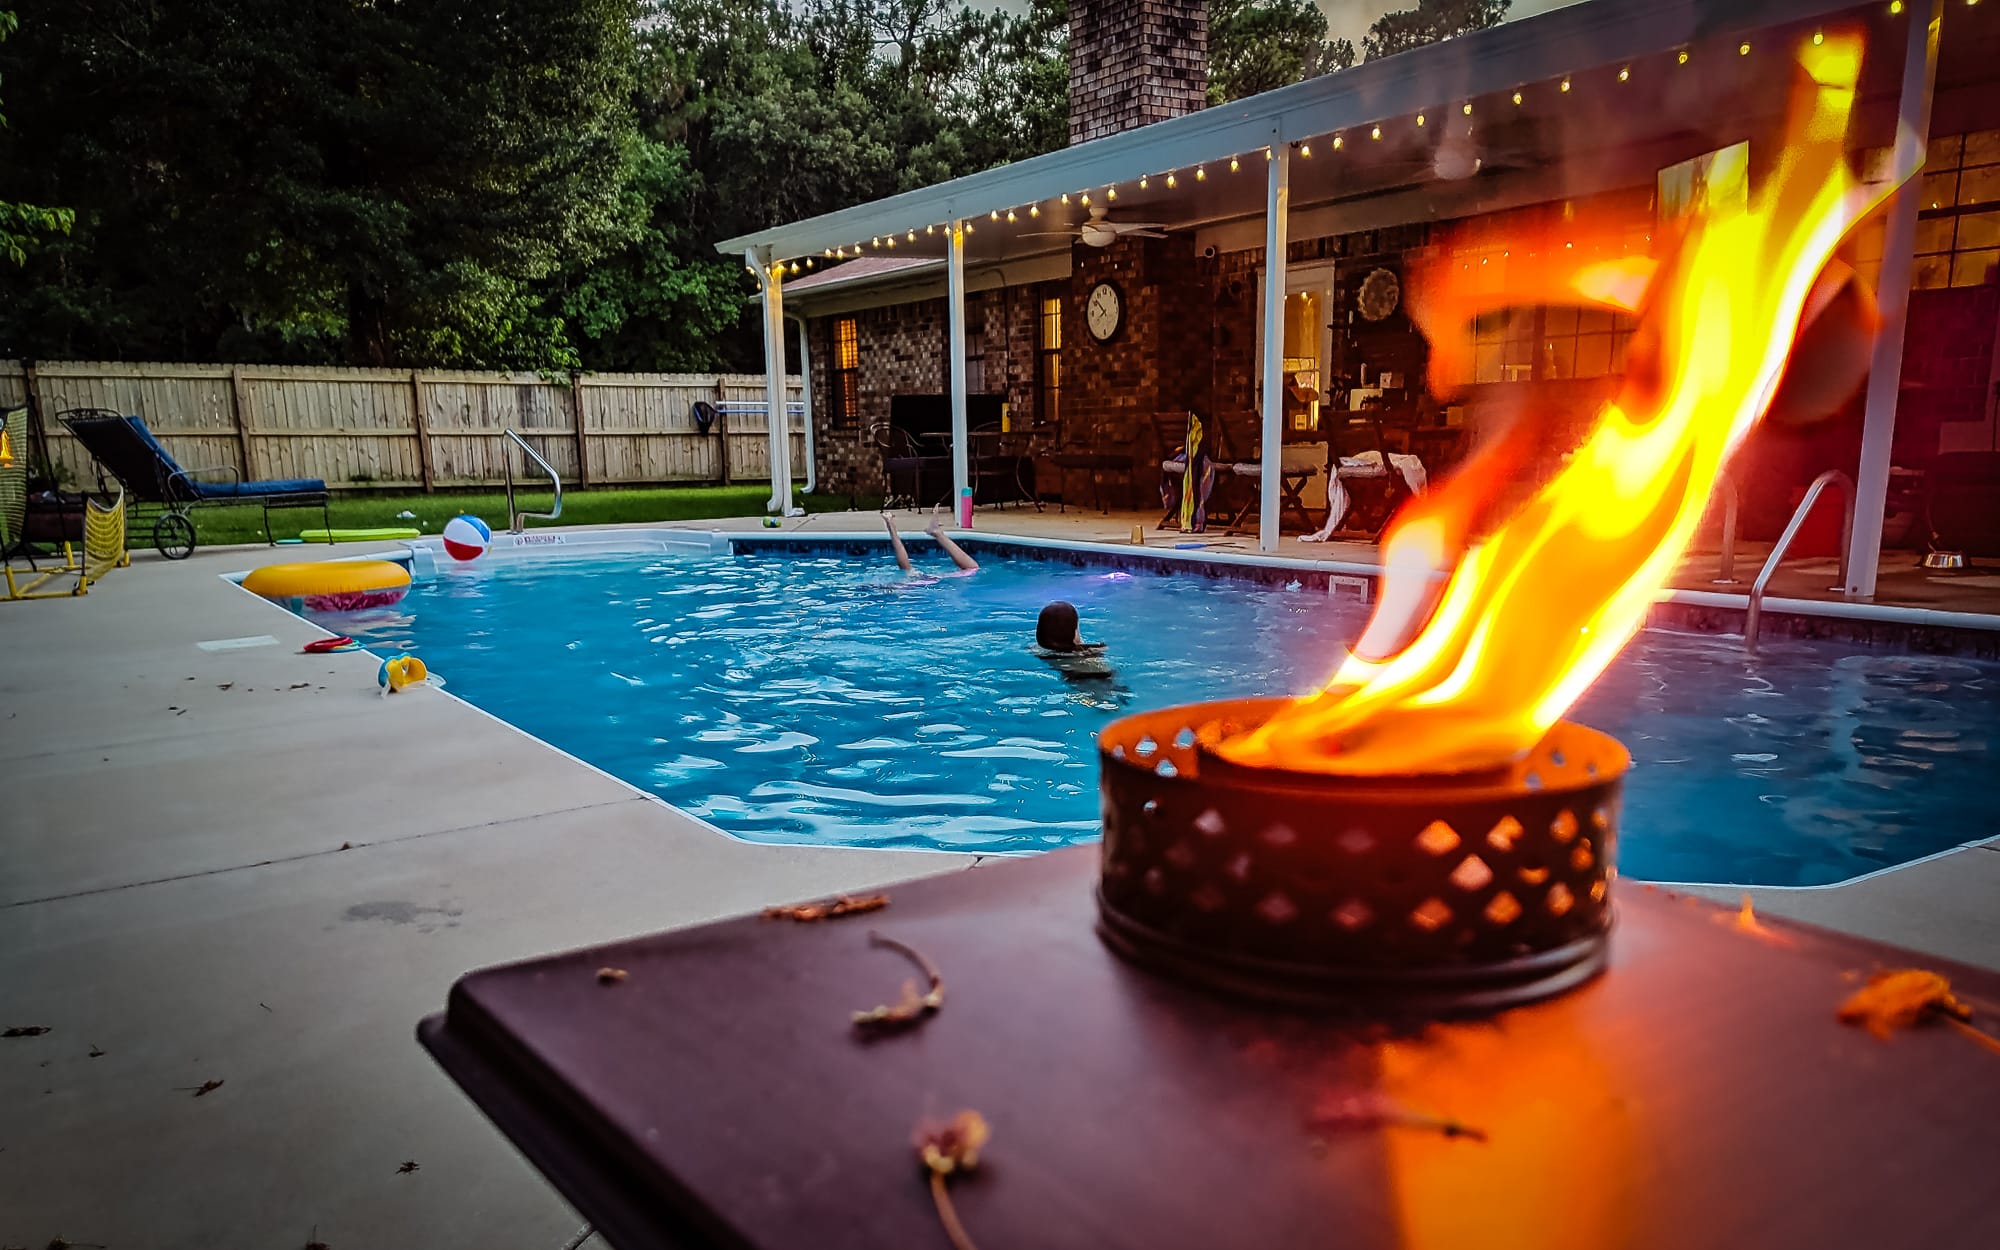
(1534, 607)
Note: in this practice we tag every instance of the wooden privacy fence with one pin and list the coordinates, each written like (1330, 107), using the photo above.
(363, 429)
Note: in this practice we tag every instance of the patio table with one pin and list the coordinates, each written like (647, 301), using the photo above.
(1701, 1093)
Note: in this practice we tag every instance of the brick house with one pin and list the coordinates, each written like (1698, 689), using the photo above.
(1612, 110)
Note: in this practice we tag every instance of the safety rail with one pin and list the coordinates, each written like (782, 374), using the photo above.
(515, 515)
(1819, 484)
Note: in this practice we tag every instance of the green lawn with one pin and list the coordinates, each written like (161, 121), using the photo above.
(580, 507)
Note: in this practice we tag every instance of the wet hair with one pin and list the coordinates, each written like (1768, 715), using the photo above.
(1056, 629)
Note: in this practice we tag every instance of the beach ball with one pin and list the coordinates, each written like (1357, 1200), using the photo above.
(466, 537)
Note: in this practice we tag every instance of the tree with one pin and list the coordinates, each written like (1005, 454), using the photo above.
(21, 224)
(1430, 22)
(265, 179)
(1259, 45)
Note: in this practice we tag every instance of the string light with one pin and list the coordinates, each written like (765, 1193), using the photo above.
(913, 236)
(1517, 98)
(875, 242)
(809, 262)
(1625, 73)
(1683, 57)
(1142, 182)
(1743, 49)
(1232, 164)
(1336, 143)
(994, 215)
(1267, 155)
(1895, 7)
(1467, 110)
(968, 227)
(1086, 199)
(1010, 215)
(892, 241)
(1111, 193)
(1172, 182)
(840, 253)
(1034, 210)
(1200, 173)
(1565, 85)
(1306, 150)
(1819, 37)
(931, 229)
(795, 269)
(1376, 133)
(1065, 197)
(1420, 119)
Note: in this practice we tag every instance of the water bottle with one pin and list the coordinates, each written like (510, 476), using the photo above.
(965, 508)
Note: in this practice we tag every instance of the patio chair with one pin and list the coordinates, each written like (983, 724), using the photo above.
(911, 478)
(1369, 483)
(1187, 446)
(161, 492)
(1079, 452)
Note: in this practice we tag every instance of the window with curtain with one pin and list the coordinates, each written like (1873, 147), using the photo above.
(846, 379)
(1048, 363)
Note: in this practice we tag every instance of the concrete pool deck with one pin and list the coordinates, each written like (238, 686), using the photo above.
(243, 865)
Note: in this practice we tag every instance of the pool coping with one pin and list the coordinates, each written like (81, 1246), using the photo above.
(1251, 566)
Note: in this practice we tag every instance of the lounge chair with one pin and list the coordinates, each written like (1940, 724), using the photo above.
(159, 491)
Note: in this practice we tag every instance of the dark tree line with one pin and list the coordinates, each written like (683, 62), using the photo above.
(514, 183)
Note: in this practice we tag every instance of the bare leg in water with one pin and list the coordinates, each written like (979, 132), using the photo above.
(957, 553)
(896, 544)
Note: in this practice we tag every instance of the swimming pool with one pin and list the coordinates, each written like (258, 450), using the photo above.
(812, 697)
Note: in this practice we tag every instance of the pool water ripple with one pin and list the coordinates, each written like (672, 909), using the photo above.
(817, 699)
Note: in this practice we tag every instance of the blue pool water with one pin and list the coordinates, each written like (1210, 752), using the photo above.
(814, 698)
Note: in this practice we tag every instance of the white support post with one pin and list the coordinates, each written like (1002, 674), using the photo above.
(1892, 295)
(806, 394)
(1277, 203)
(961, 473)
(769, 281)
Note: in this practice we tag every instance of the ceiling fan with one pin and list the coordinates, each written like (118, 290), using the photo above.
(1099, 231)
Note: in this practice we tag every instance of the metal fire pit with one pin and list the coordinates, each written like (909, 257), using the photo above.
(1443, 894)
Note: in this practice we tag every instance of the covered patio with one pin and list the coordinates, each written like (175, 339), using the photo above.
(1053, 322)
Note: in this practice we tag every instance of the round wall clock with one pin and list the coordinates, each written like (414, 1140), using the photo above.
(1104, 311)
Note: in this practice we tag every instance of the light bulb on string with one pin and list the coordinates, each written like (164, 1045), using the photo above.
(1200, 173)
(1034, 210)
(1375, 133)
(1743, 49)
(1819, 37)
(1142, 182)
(1111, 193)
(1306, 150)
(1683, 57)
(795, 269)
(1010, 215)
(1065, 197)
(994, 215)
(1895, 7)
(1086, 199)
(1517, 98)
(1420, 119)
(931, 229)
(1337, 141)
(1625, 73)
(1467, 110)
(1565, 84)
(912, 238)
(1232, 165)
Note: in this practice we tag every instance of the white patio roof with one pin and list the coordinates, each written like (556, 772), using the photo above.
(1533, 57)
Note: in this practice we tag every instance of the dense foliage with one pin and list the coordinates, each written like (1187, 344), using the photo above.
(517, 183)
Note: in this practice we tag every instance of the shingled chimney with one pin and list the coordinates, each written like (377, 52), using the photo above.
(1132, 62)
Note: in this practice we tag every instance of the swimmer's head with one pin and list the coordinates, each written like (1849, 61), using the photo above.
(1057, 628)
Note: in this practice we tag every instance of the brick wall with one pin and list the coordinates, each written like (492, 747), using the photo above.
(904, 351)
(1132, 62)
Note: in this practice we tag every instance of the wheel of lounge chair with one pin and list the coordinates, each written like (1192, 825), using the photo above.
(173, 536)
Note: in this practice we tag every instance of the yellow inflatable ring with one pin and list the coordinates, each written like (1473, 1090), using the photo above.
(336, 586)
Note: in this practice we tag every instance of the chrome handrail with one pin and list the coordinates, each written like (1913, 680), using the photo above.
(515, 515)
(1813, 492)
